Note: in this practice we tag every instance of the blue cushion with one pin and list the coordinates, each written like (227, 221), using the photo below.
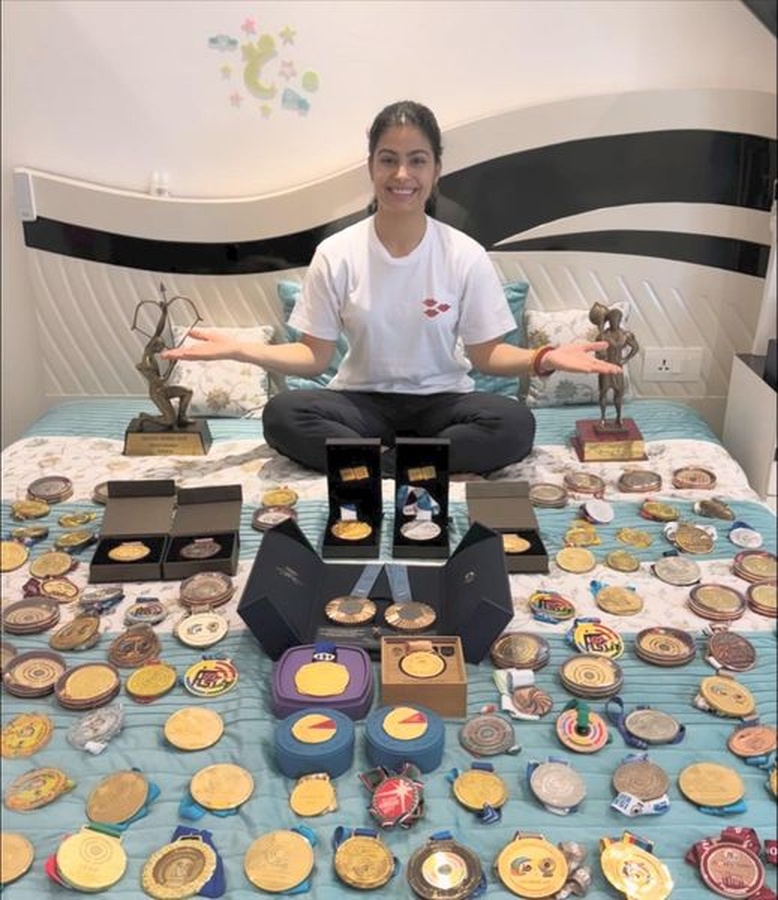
(288, 292)
(515, 294)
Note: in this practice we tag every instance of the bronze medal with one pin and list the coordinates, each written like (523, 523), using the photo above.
(532, 701)
(350, 610)
(33, 674)
(410, 616)
(753, 740)
(732, 651)
(201, 548)
(520, 650)
(78, 634)
(642, 779)
(31, 616)
(665, 646)
(50, 489)
(135, 646)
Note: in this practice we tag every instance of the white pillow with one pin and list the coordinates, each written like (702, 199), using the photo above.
(566, 326)
(224, 388)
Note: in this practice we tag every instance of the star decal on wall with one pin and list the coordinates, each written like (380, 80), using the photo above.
(249, 26)
(287, 70)
(226, 71)
(287, 35)
(235, 99)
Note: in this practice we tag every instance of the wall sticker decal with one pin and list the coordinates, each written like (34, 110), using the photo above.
(275, 82)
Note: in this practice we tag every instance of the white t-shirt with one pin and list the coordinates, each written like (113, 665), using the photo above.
(402, 316)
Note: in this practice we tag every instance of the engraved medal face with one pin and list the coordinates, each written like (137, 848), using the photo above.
(443, 869)
(642, 779)
(278, 861)
(13, 555)
(694, 478)
(33, 674)
(351, 530)
(532, 867)
(520, 650)
(753, 740)
(52, 564)
(221, 786)
(551, 496)
(410, 616)
(652, 726)
(117, 797)
(576, 559)
(211, 677)
(727, 697)
(129, 551)
(732, 651)
(16, 856)
(422, 664)
(350, 610)
(50, 489)
(732, 870)
(420, 530)
(709, 784)
(476, 788)
(677, 570)
(584, 483)
(635, 872)
(364, 862)
(36, 788)
(91, 861)
(588, 675)
(313, 795)
(280, 496)
(133, 647)
(487, 734)
(557, 785)
(265, 517)
(665, 646)
(193, 728)
(179, 869)
(26, 734)
(201, 548)
(202, 629)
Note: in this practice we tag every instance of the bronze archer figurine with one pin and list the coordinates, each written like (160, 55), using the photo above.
(622, 346)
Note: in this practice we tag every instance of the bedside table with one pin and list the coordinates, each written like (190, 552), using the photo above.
(750, 424)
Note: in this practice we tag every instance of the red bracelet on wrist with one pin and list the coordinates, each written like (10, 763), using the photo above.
(537, 359)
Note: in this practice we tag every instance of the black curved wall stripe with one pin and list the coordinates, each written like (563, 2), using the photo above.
(502, 197)
(702, 249)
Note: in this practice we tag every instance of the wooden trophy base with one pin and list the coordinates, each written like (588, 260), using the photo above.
(593, 443)
(145, 437)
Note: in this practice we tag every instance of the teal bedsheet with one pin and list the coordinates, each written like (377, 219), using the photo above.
(248, 741)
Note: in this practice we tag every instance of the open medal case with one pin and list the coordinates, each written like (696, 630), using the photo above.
(205, 517)
(427, 671)
(505, 506)
(289, 585)
(421, 499)
(354, 496)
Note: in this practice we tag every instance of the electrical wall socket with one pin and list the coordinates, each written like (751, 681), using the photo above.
(672, 363)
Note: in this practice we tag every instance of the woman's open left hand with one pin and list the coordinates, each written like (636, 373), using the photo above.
(579, 358)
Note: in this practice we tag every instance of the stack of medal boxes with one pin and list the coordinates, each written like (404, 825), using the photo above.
(153, 531)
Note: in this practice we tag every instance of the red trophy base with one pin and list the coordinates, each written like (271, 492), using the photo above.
(593, 443)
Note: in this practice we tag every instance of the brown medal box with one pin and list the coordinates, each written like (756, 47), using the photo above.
(505, 507)
(445, 693)
(354, 492)
(422, 463)
(289, 586)
(166, 520)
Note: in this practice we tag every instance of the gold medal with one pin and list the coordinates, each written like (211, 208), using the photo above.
(16, 856)
(129, 551)
(76, 520)
(348, 530)
(513, 543)
(26, 734)
(313, 795)
(532, 867)
(74, 540)
(618, 601)
(693, 539)
(422, 664)
(635, 537)
(477, 788)
(90, 860)
(13, 555)
(37, 788)
(622, 561)
(75, 634)
(709, 784)
(635, 872)
(280, 496)
(151, 681)
(278, 861)
(660, 512)
(51, 564)
(87, 682)
(179, 869)
(576, 559)
(29, 509)
(193, 728)
(581, 537)
(61, 589)
(221, 786)
(727, 696)
(322, 679)
(117, 797)
(364, 862)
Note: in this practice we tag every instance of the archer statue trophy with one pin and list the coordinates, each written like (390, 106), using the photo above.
(616, 438)
(170, 431)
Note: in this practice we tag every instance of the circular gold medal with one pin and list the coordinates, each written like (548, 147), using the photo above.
(709, 784)
(61, 589)
(91, 861)
(727, 697)
(88, 683)
(348, 530)
(129, 551)
(179, 869)
(16, 856)
(37, 788)
(477, 788)
(635, 872)
(76, 520)
(514, 543)
(576, 559)
(635, 537)
(422, 664)
(322, 679)
(29, 509)
(280, 496)
(75, 540)
(221, 786)
(532, 867)
(622, 561)
(26, 734)
(151, 681)
(660, 512)
(193, 728)
(51, 564)
(75, 634)
(13, 555)
(313, 795)
(117, 797)
(618, 601)
(364, 862)
(278, 861)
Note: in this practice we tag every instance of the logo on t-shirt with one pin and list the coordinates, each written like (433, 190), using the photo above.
(432, 308)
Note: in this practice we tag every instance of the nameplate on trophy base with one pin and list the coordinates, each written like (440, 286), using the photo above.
(146, 438)
(611, 443)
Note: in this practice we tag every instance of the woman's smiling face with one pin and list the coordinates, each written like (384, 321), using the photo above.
(403, 169)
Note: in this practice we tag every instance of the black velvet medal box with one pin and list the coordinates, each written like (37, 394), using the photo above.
(289, 585)
(355, 502)
(421, 498)
(204, 535)
(505, 506)
(137, 511)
